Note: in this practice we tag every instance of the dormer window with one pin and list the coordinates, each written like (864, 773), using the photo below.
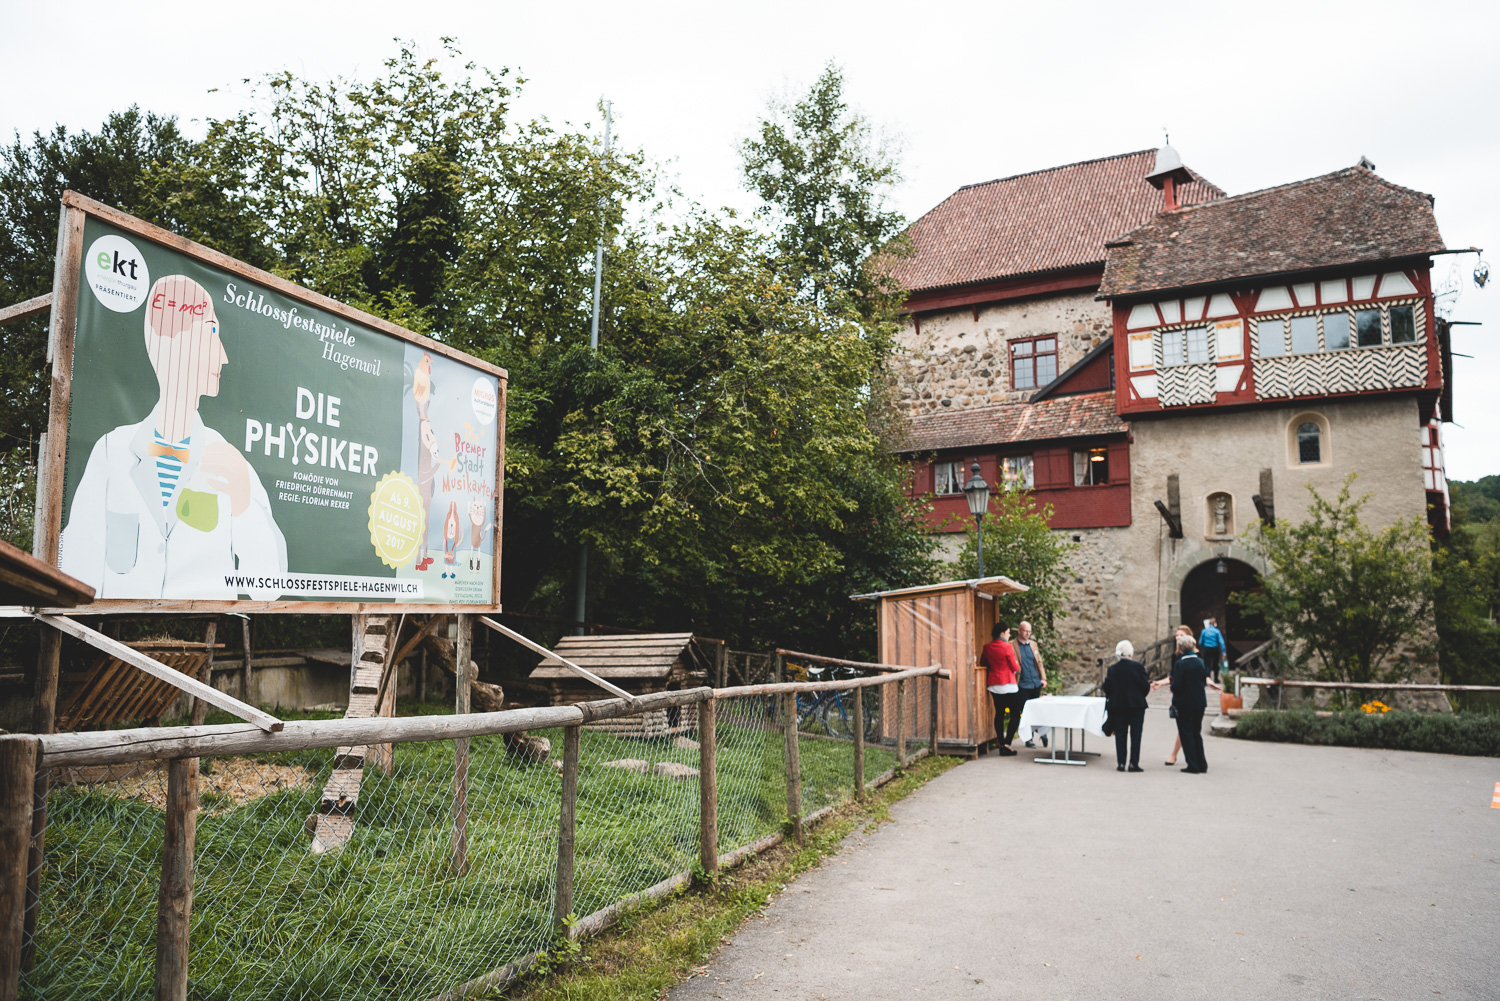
(1033, 362)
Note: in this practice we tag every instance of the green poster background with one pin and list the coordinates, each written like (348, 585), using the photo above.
(275, 344)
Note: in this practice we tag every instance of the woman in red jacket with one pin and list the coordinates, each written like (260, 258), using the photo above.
(1002, 672)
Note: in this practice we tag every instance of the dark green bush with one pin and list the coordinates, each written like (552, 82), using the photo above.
(1476, 734)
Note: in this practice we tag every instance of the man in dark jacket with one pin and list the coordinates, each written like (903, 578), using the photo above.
(1125, 689)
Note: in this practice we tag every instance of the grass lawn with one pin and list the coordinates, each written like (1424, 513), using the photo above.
(387, 916)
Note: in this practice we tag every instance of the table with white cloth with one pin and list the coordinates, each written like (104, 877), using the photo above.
(1084, 713)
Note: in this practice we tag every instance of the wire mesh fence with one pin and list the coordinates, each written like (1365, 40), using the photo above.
(393, 908)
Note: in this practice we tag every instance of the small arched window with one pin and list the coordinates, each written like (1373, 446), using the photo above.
(1309, 443)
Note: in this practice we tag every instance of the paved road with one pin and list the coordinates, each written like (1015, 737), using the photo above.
(1285, 872)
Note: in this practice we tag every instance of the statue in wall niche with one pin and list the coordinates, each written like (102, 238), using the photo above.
(1221, 515)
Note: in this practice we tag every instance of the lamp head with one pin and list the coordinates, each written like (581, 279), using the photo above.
(977, 492)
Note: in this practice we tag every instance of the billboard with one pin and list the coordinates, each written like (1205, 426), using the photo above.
(222, 438)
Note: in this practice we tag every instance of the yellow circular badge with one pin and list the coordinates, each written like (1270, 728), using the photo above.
(396, 519)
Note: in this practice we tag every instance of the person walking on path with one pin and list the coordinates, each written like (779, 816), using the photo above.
(1215, 650)
(1125, 689)
(1189, 676)
(1033, 672)
(1182, 630)
(1002, 671)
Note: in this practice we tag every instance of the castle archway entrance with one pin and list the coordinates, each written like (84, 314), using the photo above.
(1208, 592)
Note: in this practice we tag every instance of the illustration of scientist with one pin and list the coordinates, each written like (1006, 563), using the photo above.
(167, 508)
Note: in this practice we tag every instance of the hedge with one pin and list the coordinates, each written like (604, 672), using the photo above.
(1476, 734)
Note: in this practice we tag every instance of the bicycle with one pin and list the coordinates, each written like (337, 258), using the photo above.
(832, 711)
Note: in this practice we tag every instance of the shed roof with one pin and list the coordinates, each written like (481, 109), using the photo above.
(639, 655)
(993, 586)
(1079, 416)
(26, 580)
(1045, 220)
(1350, 216)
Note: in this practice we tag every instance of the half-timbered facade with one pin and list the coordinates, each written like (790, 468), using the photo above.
(1164, 385)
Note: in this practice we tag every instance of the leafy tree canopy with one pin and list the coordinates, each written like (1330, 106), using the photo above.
(823, 174)
(1344, 598)
(717, 453)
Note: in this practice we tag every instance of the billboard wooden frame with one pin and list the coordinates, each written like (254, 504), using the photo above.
(66, 276)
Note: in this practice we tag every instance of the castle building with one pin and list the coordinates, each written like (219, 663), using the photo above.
(1164, 364)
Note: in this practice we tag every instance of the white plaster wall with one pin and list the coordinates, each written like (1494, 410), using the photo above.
(957, 362)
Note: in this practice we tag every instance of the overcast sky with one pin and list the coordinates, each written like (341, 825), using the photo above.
(1254, 94)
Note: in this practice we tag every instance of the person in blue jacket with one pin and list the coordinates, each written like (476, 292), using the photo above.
(1211, 644)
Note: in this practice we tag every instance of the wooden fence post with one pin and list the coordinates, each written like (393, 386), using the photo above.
(793, 765)
(708, 787)
(567, 823)
(18, 771)
(174, 903)
(43, 720)
(247, 684)
(859, 742)
(206, 675)
(461, 749)
(900, 720)
(932, 710)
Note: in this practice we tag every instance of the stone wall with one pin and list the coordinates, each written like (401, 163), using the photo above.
(1126, 582)
(951, 360)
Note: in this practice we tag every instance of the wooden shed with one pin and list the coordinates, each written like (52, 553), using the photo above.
(947, 624)
(640, 663)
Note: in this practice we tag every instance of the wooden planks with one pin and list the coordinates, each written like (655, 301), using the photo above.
(157, 669)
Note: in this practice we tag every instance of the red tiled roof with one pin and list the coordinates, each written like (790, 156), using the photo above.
(1084, 415)
(1042, 221)
(1350, 216)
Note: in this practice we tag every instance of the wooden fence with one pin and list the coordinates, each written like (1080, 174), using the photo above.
(24, 757)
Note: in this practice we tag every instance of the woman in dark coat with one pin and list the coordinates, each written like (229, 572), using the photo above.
(1125, 689)
(1189, 676)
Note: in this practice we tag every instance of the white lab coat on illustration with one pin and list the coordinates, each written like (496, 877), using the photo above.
(121, 540)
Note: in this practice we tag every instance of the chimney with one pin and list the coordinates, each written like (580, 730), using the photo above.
(1167, 174)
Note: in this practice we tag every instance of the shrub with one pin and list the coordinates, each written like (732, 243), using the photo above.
(1475, 734)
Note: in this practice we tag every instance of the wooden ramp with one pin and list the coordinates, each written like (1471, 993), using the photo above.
(372, 692)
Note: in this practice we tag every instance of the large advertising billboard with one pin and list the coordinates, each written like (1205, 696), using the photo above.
(232, 438)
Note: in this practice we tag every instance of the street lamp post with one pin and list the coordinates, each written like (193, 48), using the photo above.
(977, 493)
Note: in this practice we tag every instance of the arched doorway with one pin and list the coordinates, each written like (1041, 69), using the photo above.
(1207, 592)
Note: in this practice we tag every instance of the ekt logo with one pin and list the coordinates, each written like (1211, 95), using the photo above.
(112, 262)
(116, 273)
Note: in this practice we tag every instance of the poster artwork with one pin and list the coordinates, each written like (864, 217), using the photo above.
(227, 441)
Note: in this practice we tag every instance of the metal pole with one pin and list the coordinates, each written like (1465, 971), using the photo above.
(979, 524)
(581, 572)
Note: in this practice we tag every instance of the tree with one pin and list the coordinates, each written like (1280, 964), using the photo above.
(1342, 597)
(1019, 544)
(1466, 597)
(717, 453)
(824, 175)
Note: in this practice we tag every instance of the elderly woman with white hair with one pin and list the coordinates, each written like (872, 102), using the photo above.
(1126, 686)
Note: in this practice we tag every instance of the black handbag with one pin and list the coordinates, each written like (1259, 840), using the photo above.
(1108, 726)
(1172, 711)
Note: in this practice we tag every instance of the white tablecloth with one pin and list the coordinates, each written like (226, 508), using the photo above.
(1078, 712)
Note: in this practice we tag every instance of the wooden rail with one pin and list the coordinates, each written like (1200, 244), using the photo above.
(862, 665)
(794, 687)
(1367, 686)
(110, 747)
